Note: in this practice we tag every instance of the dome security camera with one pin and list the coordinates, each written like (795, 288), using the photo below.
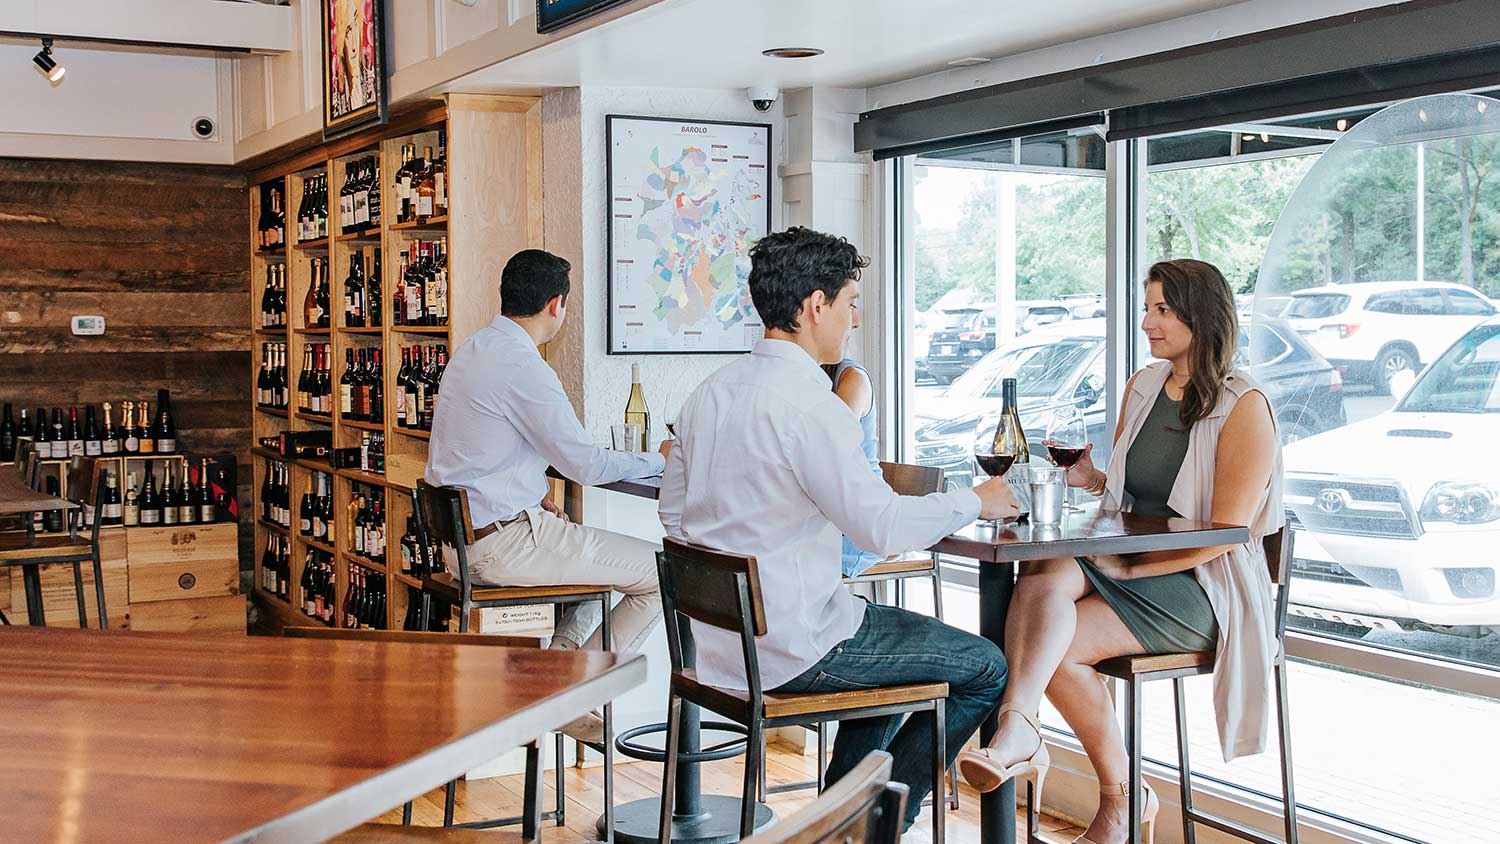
(204, 128)
(762, 98)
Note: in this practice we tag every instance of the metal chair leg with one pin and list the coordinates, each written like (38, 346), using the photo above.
(449, 793)
(99, 592)
(562, 783)
(406, 813)
(939, 767)
(83, 612)
(760, 789)
(951, 781)
(669, 768)
(606, 638)
(1283, 722)
(754, 750)
(822, 756)
(1133, 743)
(1184, 767)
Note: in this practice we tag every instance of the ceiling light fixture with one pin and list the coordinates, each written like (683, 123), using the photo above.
(792, 52)
(969, 61)
(47, 65)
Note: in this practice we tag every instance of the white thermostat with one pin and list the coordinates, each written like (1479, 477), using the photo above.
(88, 326)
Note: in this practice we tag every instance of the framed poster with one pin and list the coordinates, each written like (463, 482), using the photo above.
(354, 83)
(556, 14)
(687, 200)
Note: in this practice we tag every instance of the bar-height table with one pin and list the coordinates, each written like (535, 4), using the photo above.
(123, 737)
(18, 498)
(999, 549)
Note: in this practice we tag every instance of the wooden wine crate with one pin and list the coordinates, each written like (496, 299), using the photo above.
(59, 601)
(219, 614)
(183, 562)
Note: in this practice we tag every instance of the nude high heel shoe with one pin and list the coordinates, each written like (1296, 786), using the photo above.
(1148, 812)
(980, 769)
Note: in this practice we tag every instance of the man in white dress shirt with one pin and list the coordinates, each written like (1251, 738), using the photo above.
(768, 463)
(501, 419)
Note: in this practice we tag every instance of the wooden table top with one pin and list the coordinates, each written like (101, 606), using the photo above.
(1081, 534)
(17, 497)
(126, 737)
(639, 487)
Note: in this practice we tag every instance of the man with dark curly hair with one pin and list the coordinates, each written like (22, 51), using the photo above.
(774, 463)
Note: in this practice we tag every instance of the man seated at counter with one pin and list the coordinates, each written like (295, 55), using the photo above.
(501, 418)
(768, 462)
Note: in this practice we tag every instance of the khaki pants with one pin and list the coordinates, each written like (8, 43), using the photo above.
(543, 550)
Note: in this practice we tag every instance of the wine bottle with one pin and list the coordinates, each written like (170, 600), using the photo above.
(440, 175)
(426, 186)
(151, 510)
(110, 444)
(224, 505)
(165, 432)
(207, 507)
(143, 429)
(325, 313)
(169, 502)
(346, 386)
(636, 412)
(52, 520)
(59, 436)
(8, 436)
(131, 515)
(1010, 441)
(354, 294)
(93, 445)
(187, 501)
(305, 514)
(111, 511)
(376, 388)
(309, 593)
(75, 434)
(310, 315)
(373, 301)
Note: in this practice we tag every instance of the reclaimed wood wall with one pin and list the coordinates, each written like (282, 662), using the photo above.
(158, 250)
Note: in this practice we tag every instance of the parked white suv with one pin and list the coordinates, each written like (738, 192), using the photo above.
(1398, 515)
(1372, 330)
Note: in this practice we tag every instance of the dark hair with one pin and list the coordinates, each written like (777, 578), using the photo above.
(786, 267)
(1201, 298)
(530, 280)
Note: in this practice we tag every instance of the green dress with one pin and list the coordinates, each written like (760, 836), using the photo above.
(1169, 613)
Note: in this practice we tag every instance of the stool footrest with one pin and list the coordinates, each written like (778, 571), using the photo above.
(1244, 833)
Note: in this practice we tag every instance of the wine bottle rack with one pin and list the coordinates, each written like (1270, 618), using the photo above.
(494, 171)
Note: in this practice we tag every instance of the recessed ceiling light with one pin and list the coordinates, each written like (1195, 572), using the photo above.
(792, 52)
(968, 61)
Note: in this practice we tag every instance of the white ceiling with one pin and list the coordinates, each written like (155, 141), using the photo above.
(718, 43)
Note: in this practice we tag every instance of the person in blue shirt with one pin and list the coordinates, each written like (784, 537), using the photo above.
(852, 385)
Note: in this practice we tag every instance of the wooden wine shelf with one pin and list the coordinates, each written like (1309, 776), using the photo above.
(271, 411)
(363, 477)
(365, 562)
(418, 225)
(495, 165)
(315, 544)
(272, 526)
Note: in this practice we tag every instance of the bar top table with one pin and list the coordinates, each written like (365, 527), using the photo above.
(138, 737)
(999, 548)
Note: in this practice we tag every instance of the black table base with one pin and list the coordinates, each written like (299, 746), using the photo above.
(997, 809)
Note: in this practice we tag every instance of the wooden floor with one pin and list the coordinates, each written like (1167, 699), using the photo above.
(501, 797)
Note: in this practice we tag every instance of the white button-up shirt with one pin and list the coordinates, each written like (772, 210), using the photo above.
(502, 417)
(768, 463)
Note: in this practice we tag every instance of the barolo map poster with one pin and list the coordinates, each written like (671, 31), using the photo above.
(687, 200)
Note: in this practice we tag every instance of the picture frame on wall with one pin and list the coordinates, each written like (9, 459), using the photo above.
(687, 198)
(355, 88)
(552, 15)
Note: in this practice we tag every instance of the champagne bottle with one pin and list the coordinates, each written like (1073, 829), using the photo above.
(93, 445)
(129, 442)
(635, 409)
(169, 502)
(207, 507)
(59, 436)
(8, 436)
(110, 444)
(187, 502)
(131, 515)
(149, 502)
(75, 434)
(143, 429)
(111, 510)
(165, 432)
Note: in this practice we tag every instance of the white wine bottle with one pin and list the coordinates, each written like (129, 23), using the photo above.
(636, 412)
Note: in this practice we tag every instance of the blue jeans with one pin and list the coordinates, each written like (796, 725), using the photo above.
(894, 647)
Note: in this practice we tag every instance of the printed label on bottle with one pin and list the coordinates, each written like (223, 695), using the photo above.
(132, 445)
(93, 448)
(132, 514)
(110, 446)
(206, 513)
(150, 517)
(164, 446)
(75, 448)
(361, 212)
(440, 189)
(169, 516)
(112, 511)
(424, 205)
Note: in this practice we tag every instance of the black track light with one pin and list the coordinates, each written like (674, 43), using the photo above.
(48, 65)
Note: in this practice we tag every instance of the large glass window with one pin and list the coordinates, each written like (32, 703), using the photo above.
(1365, 273)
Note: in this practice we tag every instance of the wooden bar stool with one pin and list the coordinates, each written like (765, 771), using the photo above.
(531, 816)
(442, 514)
(723, 590)
(905, 479)
(29, 551)
(864, 806)
(1139, 670)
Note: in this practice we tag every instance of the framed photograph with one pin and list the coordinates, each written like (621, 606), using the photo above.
(354, 81)
(687, 200)
(555, 14)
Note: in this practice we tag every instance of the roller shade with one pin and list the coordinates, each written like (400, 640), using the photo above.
(1372, 56)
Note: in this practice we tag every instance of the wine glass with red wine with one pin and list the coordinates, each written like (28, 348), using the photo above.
(996, 455)
(1067, 439)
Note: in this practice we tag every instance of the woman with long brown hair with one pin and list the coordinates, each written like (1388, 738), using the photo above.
(1195, 439)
